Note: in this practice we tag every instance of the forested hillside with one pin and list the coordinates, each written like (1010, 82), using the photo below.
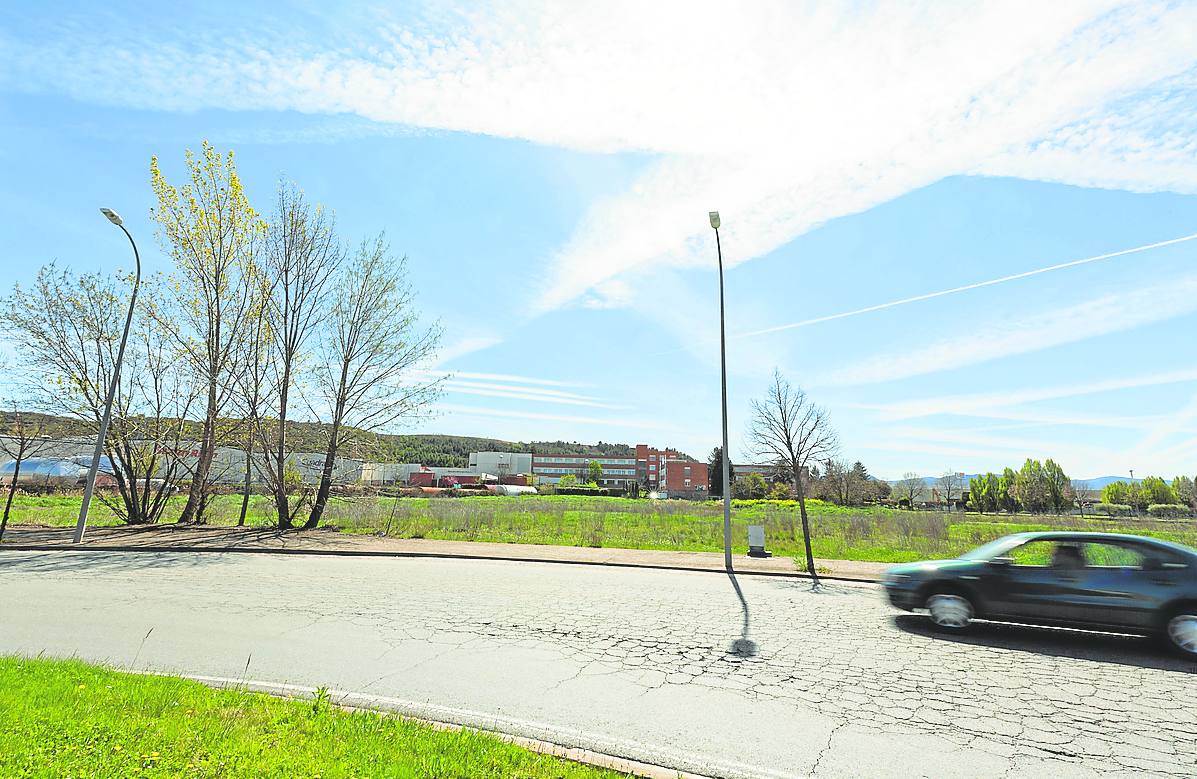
(440, 450)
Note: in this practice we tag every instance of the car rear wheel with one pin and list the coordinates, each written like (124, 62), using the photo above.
(1180, 632)
(950, 610)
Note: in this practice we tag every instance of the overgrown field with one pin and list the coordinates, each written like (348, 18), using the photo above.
(878, 534)
(68, 718)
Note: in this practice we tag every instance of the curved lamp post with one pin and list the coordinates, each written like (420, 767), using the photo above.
(727, 555)
(115, 218)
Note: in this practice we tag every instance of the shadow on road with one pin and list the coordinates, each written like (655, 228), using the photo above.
(52, 562)
(742, 646)
(1082, 645)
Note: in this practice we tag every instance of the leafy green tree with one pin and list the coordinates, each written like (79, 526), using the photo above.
(212, 233)
(750, 486)
(715, 473)
(1119, 493)
(976, 493)
(983, 492)
(780, 491)
(1007, 496)
(1031, 487)
(1059, 486)
(1154, 490)
(1185, 490)
(568, 480)
(594, 471)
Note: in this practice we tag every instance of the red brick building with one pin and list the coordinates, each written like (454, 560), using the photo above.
(666, 471)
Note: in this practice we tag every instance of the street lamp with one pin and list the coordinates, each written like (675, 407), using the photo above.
(115, 218)
(727, 555)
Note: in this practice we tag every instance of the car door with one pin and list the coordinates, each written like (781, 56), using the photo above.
(1027, 587)
(1125, 584)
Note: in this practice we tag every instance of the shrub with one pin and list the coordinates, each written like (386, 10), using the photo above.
(1113, 509)
(1167, 509)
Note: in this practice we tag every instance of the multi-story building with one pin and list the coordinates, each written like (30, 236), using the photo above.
(666, 470)
(501, 464)
(617, 471)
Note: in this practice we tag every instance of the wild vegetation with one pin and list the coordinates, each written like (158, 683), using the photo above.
(837, 532)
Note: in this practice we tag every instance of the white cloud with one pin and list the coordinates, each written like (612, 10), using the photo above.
(989, 404)
(780, 115)
(516, 392)
(490, 413)
(967, 287)
(1107, 313)
(465, 345)
(506, 377)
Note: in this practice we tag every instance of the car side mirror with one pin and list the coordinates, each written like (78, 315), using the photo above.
(1001, 562)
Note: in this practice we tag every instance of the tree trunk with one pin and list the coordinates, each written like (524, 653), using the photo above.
(325, 479)
(810, 557)
(12, 488)
(193, 510)
(281, 504)
(249, 466)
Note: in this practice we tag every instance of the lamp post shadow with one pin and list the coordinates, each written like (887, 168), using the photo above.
(742, 646)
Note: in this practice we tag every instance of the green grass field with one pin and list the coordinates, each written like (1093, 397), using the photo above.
(874, 534)
(67, 718)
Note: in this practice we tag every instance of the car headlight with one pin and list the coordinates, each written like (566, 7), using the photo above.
(896, 578)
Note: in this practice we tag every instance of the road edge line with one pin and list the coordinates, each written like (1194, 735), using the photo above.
(413, 554)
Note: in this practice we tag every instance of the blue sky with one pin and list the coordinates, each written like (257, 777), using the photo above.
(548, 170)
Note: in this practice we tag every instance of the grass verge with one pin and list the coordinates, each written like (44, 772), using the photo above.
(68, 718)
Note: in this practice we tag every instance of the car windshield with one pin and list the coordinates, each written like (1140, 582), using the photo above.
(993, 548)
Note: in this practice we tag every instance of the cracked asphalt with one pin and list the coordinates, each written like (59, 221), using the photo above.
(674, 668)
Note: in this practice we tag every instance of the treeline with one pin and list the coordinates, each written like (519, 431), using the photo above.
(835, 481)
(1036, 487)
(1152, 494)
(448, 451)
(266, 319)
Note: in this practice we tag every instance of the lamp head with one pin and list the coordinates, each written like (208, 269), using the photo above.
(113, 216)
(715, 219)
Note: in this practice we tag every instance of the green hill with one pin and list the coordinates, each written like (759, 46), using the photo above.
(451, 451)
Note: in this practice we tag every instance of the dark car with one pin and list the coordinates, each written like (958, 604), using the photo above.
(1097, 581)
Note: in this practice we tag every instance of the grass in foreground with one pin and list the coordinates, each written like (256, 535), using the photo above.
(68, 718)
(839, 533)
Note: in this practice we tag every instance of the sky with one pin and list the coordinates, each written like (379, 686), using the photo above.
(547, 168)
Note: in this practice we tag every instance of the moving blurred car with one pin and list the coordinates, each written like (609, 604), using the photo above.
(1096, 581)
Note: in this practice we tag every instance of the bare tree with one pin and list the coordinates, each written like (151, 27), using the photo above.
(792, 431)
(949, 485)
(837, 475)
(68, 329)
(1081, 494)
(373, 344)
(302, 257)
(24, 437)
(910, 488)
(253, 385)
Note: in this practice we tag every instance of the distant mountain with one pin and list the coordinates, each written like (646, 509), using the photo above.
(1098, 482)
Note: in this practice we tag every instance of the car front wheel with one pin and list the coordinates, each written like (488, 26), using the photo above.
(950, 610)
(1181, 632)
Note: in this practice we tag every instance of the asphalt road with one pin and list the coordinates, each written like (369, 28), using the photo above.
(667, 667)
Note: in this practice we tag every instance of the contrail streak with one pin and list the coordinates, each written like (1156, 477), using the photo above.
(965, 288)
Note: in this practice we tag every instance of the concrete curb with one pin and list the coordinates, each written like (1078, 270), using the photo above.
(601, 751)
(429, 555)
